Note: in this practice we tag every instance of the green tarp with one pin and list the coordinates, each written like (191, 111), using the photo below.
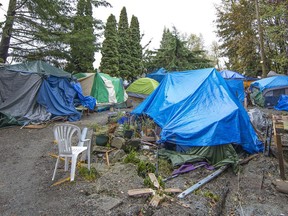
(215, 155)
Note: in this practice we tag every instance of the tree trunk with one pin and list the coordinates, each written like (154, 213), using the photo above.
(7, 31)
(260, 31)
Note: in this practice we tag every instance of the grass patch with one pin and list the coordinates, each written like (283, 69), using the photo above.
(87, 174)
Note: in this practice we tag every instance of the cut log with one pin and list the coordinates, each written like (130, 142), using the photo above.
(156, 200)
(172, 190)
(154, 180)
(142, 191)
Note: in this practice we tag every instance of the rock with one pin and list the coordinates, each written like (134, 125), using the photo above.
(133, 144)
(101, 168)
(105, 203)
(116, 156)
(118, 142)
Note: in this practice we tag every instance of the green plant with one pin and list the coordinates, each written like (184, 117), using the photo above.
(132, 158)
(145, 167)
(165, 167)
(89, 175)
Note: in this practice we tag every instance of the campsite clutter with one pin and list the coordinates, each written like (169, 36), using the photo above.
(177, 148)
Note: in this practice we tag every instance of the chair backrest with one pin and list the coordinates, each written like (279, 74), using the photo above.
(63, 134)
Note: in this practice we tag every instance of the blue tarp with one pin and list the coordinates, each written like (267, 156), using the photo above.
(227, 74)
(86, 101)
(158, 75)
(196, 108)
(282, 104)
(57, 95)
(237, 87)
(270, 82)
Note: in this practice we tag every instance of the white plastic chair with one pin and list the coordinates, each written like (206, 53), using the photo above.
(63, 134)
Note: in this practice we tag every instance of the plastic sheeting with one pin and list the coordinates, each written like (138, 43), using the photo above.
(237, 87)
(57, 95)
(86, 101)
(271, 82)
(196, 108)
(18, 97)
(41, 68)
(282, 104)
(227, 74)
(158, 75)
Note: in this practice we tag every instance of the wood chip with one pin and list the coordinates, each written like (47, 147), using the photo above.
(154, 180)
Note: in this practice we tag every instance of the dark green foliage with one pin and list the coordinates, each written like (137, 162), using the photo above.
(237, 27)
(82, 41)
(132, 157)
(110, 55)
(136, 49)
(125, 65)
(145, 167)
(174, 54)
(45, 30)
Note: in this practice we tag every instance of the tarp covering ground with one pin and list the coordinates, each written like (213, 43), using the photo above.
(196, 108)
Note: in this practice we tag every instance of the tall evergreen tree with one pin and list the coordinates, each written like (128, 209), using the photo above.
(40, 29)
(110, 55)
(174, 54)
(238, 34)
(136, 48)
(125, 64)
(83, 39)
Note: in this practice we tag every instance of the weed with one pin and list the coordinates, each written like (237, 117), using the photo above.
(89, 175)
(132, 158)
(145, 167)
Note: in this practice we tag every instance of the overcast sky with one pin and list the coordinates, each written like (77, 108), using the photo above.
(188, 16)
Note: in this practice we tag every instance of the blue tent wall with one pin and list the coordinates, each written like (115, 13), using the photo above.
(57, 94)
(158, 75)
(196, 108)
(237, 87)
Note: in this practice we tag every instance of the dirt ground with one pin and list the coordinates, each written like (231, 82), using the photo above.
(26, 185)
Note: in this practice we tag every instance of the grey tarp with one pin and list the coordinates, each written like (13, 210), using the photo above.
(18, 96)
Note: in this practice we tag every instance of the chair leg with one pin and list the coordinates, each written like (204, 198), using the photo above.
(88, 152)
(66, 164)
(56, 165)
(73, 167)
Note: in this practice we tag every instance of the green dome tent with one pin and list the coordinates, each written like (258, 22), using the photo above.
(142, 87)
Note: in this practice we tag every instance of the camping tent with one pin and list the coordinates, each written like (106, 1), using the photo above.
(196, 108)
(108, 90)
(86, 81)
(142, 87)
(34, 92)
(228, 74)
(266, 92)
(157, 75)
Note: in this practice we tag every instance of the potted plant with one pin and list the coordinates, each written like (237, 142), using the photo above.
(101, 134)
(128, 130)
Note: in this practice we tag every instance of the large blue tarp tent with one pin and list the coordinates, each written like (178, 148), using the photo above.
(158, 75)
(34, 92)
(266, 92)
(196, 108)
(228, 74)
